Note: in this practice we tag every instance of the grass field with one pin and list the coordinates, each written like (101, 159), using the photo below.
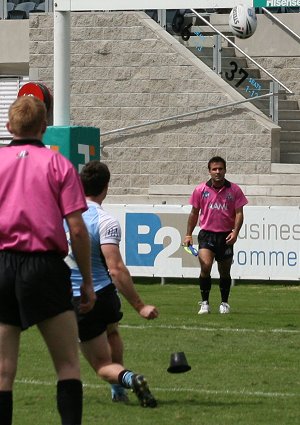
(245, 366)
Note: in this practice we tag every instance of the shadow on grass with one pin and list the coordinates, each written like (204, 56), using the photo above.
(200, 403)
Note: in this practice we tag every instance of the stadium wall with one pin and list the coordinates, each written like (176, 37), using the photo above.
(125, 70)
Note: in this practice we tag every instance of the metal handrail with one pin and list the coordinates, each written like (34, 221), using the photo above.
(278, 21)
(244, 53)
(187, 114)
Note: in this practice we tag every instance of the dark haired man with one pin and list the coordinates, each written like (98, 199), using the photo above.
(100, 341)
(218, 207)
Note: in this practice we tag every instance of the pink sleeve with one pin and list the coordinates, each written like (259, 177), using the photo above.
(196, 197)
(71, 195)
(241, 199)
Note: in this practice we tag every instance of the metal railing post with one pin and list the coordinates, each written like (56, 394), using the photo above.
(217, 54)
(274, 88)
(3, 9)
(162, 18)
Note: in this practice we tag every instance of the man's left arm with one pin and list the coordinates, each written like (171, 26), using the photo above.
(238, 222)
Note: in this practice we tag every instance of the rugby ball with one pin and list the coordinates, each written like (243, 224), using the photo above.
(242, 21)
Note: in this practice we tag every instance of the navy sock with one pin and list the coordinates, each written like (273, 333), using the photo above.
(69, 401)
(225, 284)
(205, 286)
(125, 378)
(6, 407)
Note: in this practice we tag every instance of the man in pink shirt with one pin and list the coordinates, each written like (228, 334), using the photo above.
(38, 188)
(218, 205)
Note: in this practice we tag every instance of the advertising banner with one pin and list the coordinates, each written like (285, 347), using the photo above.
(276, 3)
(268, 246)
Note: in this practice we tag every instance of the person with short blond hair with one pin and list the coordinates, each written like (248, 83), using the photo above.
(26, 117)
(38, 189)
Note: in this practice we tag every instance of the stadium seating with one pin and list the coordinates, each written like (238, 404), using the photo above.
(40, 7)
(16, 14)
(10, 6)
(27, 7)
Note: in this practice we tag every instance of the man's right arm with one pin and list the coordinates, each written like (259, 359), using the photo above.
(81, 249)
(122, 279)
(191, 224)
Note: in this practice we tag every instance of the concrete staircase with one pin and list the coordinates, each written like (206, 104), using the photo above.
(255, 84)
(281, 187)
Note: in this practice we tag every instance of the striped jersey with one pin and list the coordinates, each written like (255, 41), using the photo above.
(103, 229)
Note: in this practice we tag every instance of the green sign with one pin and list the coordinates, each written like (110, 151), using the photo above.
(276, 3)
(79, 144)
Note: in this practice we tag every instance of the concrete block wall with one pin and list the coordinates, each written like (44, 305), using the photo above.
(126, 70)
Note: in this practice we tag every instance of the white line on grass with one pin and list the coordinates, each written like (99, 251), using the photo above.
(242, 392)
(199, 328)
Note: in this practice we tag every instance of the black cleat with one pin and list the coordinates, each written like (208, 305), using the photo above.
(141, 389)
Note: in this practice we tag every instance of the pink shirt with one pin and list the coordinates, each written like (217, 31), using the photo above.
(217, 208)
(38, 187)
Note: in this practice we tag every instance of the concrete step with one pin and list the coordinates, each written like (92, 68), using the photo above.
(274, 191)
(281, 188)
(290, 136)
(254, 73)
(283, 104)
(207, 51)
(288, 115)
(289, 125)
(206, 30)
(285, 115)
(208, 60)
(251, 91)
(249, 190)
(286, 168)
(290, 147)
(196, 40)
(283, 177)
(254, 83)
(184, 200)
(290, 158)
(252, 187)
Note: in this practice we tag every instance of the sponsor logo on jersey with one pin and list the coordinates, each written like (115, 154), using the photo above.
(217, 206)
(112, 232)
(22, 154)
(229, 197)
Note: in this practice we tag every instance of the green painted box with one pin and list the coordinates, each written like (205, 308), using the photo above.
(79, 144)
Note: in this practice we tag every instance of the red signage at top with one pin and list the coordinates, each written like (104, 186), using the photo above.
(38, 90)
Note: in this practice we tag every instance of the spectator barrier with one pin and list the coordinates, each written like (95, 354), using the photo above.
(268, 246)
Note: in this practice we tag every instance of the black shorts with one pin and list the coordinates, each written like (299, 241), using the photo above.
(33, 287)
(107, 310)
(216, 242)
